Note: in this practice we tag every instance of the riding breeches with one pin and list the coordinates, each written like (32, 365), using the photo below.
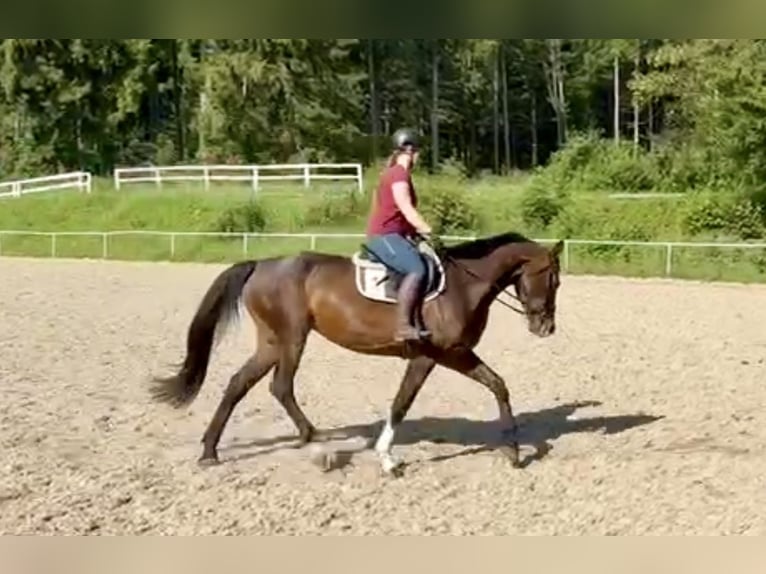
(397, 252)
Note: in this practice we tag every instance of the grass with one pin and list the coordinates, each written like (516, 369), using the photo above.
(292, 209)
(172, 208)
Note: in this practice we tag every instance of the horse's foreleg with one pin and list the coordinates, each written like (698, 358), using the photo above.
(254, 369)
(415, 375)
(470, 365)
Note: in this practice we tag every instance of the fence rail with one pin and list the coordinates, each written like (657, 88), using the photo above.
(81, 180)
(312, 238)
(254, 174)
(647, 195)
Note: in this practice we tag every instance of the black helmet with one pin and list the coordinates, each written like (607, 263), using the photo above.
(405, 137)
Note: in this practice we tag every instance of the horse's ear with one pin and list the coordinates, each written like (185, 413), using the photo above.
(557, 249)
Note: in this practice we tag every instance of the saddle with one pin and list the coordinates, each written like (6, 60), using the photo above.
(376, 281)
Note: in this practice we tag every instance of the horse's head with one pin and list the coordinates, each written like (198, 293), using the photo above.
(536, 288)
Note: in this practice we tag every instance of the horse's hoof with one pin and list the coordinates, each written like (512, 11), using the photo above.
(392, 468)
(308, 437)
(397, 472)
(511, 453)
(208, 461)
(325, 460)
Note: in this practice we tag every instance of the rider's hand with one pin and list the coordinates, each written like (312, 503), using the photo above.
(433, 239)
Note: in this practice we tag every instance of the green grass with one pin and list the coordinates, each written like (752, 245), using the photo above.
(293, 209)
(189, 207)
(171, 208)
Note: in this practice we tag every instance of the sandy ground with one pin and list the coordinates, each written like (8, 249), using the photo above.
(644, 414)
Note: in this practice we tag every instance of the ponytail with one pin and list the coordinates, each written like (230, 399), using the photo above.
(391, 161)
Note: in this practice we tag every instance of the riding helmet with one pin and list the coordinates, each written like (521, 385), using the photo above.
(405, 137)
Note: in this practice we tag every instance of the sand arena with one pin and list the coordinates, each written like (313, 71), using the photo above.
(644, 414)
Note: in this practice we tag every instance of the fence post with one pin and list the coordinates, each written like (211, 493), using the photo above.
(53, 245)
(359, 177)
(117, 179)
(669, 260)
(104, 246)
(313, 242)
(206, 176)
(157, 178)
(255, 179)
(306, 176)
(172, 245)
(244, 244)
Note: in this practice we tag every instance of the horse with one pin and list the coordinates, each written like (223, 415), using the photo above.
(350, 301)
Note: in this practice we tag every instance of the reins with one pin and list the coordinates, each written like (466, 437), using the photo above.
(493, 283)
(442, 254)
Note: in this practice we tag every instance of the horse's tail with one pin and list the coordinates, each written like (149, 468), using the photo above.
(217, 308)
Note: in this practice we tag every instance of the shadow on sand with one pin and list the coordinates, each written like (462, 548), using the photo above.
(536, 429)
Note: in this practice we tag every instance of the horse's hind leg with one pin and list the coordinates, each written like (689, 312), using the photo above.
(254, 369)
(282, 385)
(415, 375)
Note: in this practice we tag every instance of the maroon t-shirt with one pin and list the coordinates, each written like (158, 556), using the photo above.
(386, 217)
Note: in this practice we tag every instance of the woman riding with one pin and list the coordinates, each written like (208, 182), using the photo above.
(391, 229)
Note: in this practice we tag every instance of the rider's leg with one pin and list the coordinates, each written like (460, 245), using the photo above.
(408, 299)
(403, 256)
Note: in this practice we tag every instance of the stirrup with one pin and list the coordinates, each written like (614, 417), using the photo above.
(411, 333)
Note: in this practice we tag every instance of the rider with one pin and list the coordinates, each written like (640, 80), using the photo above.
(393, 223)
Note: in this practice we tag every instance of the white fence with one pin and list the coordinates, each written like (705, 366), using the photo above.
(75, 179)
(105, 238)
(254, 174)
(647, 195)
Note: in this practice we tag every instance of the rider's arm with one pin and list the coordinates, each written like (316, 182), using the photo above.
(401, 191)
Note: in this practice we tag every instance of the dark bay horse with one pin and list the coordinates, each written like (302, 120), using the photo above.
(288, 297)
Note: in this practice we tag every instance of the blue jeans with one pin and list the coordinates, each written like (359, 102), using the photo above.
(397, 252)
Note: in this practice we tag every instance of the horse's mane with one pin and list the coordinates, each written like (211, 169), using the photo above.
(478, 248)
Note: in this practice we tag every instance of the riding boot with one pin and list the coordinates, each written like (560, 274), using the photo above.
(407, 299)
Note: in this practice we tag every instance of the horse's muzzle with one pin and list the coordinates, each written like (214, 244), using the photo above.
(542, 326)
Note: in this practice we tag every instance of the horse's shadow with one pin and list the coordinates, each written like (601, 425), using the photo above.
(536, 429)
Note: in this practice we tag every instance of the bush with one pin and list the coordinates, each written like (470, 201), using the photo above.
(576, 166)
(540, 205)
(728, 214)
(603, 218)
(624, 169)
(746, 220)
(335, 209)
(589, 162)
(708, 213)
(244, 218)
(448, 210)
(581, 151)
(453, 168)
(682, 168)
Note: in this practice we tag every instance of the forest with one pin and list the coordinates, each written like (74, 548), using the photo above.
(569, 117)
(678, 114)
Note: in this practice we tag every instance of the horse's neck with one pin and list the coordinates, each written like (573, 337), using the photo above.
(499, 265)
(493, 272)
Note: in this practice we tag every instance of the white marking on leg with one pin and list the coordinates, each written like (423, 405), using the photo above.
(383, 447)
